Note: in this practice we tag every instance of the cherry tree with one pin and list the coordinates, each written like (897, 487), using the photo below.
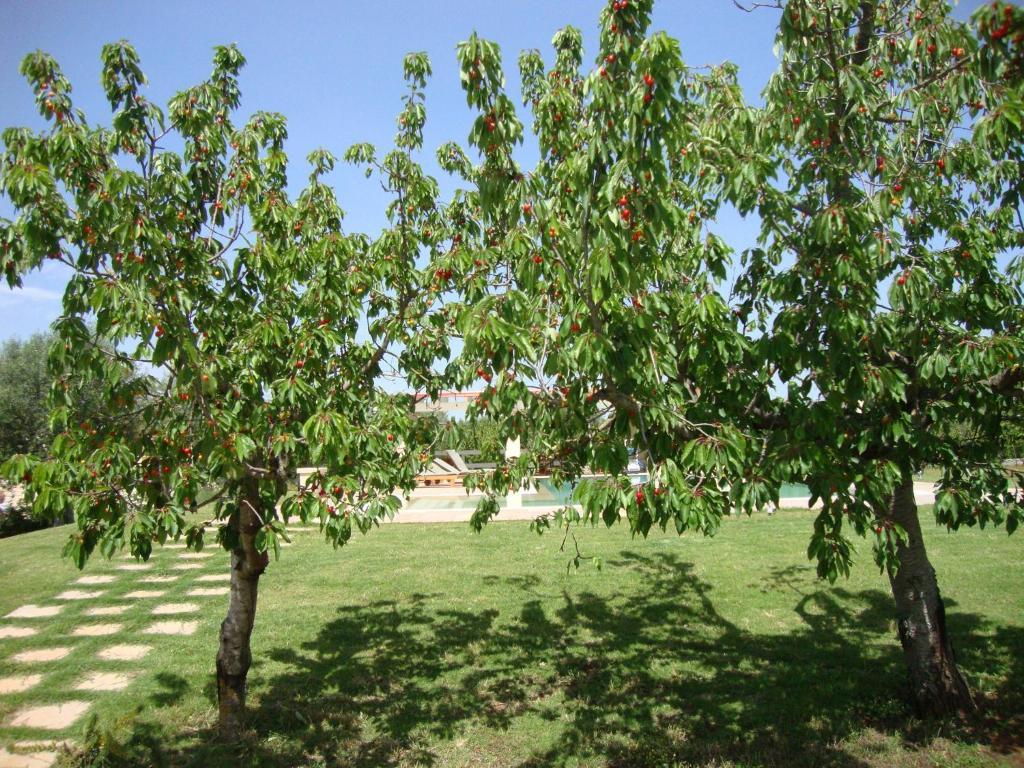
(233, 329)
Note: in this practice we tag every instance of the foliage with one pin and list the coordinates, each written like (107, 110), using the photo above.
(481, 434)
(877, 307)
(24, 386)
(242, 304)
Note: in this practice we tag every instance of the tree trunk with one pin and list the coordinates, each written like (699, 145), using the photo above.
(937, 687)
(234, 655)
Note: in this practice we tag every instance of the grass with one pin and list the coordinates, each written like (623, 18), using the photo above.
(429, 645)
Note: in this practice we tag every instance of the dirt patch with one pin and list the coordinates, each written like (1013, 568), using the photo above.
(135, 567)
(195, 555)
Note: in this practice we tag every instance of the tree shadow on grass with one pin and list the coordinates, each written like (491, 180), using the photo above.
(649, 679)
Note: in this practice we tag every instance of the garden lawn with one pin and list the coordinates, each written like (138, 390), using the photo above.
(431, 645)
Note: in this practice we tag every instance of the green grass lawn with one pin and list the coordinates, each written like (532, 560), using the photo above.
(430, 645)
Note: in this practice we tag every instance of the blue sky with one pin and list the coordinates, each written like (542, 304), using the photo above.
(334, 70)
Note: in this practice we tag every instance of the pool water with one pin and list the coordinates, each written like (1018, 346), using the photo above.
(550, 495)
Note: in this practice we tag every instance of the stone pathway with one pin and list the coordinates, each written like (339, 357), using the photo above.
(28, 667)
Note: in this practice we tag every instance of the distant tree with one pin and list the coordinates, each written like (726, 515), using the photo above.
(24, 388)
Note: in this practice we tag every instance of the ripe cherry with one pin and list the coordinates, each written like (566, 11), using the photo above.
(527, 208)
(648, 80)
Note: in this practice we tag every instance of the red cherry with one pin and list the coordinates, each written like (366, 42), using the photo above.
(796, 121)
(391, 438)
(300, 363)
(537, 259)
(648, 97)
(575, 327)
(623, 200)
(527, 208)
(901, 280)
(897, 187)
(640, 496)
(649, 80)
(610, 58)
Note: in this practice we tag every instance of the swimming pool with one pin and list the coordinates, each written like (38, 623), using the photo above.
(548, 494)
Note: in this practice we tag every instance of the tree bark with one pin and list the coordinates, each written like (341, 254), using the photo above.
(937, 687)
(234, 655)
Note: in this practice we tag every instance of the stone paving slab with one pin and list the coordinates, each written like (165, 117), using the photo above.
(107, 610)
(214, 577)
(95, 579)
(17, 631)
(144, 594)
(19, 683)
(51, 717)
(34, 611)
(208, 591)
(97, 630)
(104, 681)
(124, 652)
(135, 567)
(166, 609)
(42, 759)
(158, 579)
(172, 628)
(42, 654)
(78, 594)
(187, 567)
(195, 555)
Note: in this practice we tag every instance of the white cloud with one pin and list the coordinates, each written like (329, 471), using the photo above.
(26, 295)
